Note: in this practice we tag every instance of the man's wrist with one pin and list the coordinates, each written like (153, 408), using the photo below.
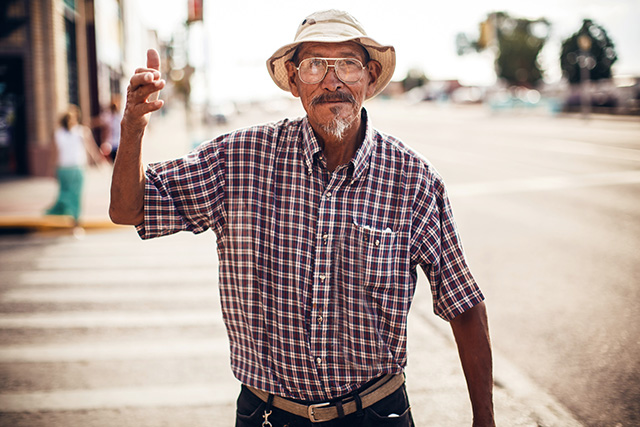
(484, 421)
(130, 131)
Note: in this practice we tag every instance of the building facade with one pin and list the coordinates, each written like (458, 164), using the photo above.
(54, 53)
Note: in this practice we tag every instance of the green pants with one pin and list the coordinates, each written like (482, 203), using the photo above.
(69, 198)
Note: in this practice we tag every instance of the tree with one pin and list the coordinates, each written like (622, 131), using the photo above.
(597, 53)
(415, 78)
(517, 42)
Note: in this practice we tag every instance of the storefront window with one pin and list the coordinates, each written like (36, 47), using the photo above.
(72, 61)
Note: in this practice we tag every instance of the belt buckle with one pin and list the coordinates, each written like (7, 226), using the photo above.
(311, 411)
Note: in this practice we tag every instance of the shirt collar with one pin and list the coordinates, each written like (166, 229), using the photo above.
(359, 162)
(310, 146)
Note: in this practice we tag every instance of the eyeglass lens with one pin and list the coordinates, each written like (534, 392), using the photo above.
(313, 70)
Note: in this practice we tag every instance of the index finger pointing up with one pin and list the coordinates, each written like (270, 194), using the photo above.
(153, 59)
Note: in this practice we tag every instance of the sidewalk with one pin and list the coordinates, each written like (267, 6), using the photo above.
(434, 378)
(23, 202)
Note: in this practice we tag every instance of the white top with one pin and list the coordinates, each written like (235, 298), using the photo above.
(71, 149)
(114, 129)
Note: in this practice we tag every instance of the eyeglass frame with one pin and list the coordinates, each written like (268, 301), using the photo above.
(326, 60)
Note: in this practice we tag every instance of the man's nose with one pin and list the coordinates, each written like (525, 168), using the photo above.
(331, 79)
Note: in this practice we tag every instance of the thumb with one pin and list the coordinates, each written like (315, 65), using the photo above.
(153, 59)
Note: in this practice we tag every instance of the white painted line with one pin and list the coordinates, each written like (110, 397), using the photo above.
(117, 276)
(166, 396)
(112, 319)
(83, 261)
(119, 350)
(548, 183)
(101, 295)
(568, 146)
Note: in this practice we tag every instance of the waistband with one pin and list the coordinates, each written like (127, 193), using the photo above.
(327, 411)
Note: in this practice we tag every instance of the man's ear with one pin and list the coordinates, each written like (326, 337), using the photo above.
(291, 72)
(374, 69)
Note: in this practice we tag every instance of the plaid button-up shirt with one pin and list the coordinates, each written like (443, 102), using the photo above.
(317, 269)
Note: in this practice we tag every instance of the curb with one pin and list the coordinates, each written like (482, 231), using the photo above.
(54, 222)
(545, 409)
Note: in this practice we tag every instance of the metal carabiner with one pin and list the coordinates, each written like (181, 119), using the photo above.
(266, 422)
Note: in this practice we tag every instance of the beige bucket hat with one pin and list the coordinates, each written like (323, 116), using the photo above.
(332, 26)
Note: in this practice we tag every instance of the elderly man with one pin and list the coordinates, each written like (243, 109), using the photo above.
(321, 223)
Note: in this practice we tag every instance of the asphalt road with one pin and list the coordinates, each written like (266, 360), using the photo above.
(549, 213)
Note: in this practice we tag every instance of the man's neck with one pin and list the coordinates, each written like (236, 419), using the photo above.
(339, 151)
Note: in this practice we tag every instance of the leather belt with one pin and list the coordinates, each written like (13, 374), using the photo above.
(321, 412)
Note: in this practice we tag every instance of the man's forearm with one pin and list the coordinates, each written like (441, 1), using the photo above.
(471, 331)
(127, 184)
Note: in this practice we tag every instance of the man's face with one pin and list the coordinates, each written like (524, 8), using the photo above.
(331, 104)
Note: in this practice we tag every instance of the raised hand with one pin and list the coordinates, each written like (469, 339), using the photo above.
(142, 95)
(127, 184)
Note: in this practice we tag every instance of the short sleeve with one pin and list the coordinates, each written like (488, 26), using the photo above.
(185, 194)
(437, 248)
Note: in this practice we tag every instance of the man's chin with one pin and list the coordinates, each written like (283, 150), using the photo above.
(336, 127)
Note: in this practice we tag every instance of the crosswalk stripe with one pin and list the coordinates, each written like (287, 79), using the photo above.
(174, 395)
(108, 296)
(118, 350)
(102, 262)
(111, 319)
(79, 273)
(120, 276)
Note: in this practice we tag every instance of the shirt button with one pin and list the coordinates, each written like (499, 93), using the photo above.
(377, 242)
(319, 360)
(319, 320)
(328, 195)
(322, 278)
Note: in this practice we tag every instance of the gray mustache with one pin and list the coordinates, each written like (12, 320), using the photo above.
(333, 97)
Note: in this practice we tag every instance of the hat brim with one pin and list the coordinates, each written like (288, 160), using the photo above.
(385, 55)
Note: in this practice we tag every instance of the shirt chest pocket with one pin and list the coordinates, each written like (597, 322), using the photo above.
(373, 254)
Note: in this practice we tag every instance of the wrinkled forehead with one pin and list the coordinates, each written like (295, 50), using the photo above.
(331, 50)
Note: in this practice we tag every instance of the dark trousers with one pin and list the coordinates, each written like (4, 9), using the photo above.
(251, 409)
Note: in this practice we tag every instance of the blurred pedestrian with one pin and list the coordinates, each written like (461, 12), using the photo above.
(74, 147)
(112, 120)
(321, 223)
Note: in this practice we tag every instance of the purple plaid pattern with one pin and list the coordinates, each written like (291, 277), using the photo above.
(317, 269)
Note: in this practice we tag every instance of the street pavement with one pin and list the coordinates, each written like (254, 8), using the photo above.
(549, 213)
(108, 330)
(102, 329)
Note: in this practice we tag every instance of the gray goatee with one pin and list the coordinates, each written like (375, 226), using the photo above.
(338, 125)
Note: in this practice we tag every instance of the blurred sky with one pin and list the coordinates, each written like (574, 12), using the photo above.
(238, 36)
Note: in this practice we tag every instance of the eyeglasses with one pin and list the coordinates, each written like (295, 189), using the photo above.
(314, 70)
